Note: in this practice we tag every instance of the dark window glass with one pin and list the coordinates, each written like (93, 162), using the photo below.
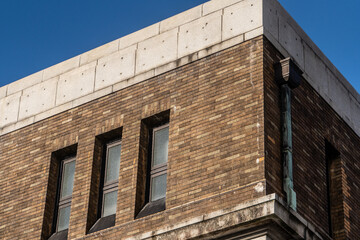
(151, 180)
(158, 187)
(64, 217)
(65, 196)
(113, 155)
(159, 162)
(68, 179)
(108, 158)
(109, 203)
(113, 163)
(161, 141)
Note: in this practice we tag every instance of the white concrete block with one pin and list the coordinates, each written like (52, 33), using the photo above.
(242, 17)
(38, 98)
(121, 85)
(134, 80)
(92, 96)
(24, 122)
(324, 90)
(3, 91)
(165, 68)
(53, 111)
(254, 33)
(232, 42)
(140, 35)
(340, 98)
(316, 70)
(9, 109)
(188, 59)
(157, 51)
(61, 67)
(199, 34)
(25, 83)
(292, 42)
(99, 52)
(214, 5)
(8, 129)
(115, 67)
(79, 82)
(270, 17)
(141, 77)
(221, 46)
(355, 114)
(180, 19)
(210, 50)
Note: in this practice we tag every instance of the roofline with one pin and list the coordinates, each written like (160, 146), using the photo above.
(167, 45)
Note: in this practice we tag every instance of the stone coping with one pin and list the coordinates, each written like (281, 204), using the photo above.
(161, 47)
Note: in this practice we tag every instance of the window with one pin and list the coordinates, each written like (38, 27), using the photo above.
(159, 163)
(65, 194)
(105, 181)
(110, 186)
(59, 193)
(152, 165)
(334, 191)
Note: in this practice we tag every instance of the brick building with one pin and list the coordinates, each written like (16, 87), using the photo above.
(223, 122)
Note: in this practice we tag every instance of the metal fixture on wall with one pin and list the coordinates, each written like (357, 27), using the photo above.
(288, 76)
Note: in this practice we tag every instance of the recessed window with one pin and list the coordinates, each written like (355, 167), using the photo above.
(105, 181)
(334, 191)
(65, 196)
(112, 167)
(59, 194)
(153, 165)
(159, 163)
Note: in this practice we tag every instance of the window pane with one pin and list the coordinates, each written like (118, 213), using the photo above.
(64, 217)
(113, 163)
(67, 179)
(158, 187)
(110, 203)
(161, 142)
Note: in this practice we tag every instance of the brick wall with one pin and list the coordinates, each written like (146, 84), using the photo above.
(216, 147)
(314, 123)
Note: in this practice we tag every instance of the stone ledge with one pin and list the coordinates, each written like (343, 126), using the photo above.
(266, 216)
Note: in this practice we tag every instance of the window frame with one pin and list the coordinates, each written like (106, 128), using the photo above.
(144, 206)
(96, 221)
(66, 201)
(159, 169)
(335, 208)
(111, 186)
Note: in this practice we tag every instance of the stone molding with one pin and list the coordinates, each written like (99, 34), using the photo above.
(264, 218)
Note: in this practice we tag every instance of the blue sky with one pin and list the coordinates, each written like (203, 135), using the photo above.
(40, 33)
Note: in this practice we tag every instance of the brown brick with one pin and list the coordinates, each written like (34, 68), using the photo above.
(216, 136)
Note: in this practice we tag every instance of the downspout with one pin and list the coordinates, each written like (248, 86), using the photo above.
(288, 76)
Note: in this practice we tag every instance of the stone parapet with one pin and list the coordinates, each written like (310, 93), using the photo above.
(179, 40)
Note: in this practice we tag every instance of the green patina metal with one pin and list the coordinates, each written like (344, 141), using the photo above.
(288, 76)
(287, 145)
